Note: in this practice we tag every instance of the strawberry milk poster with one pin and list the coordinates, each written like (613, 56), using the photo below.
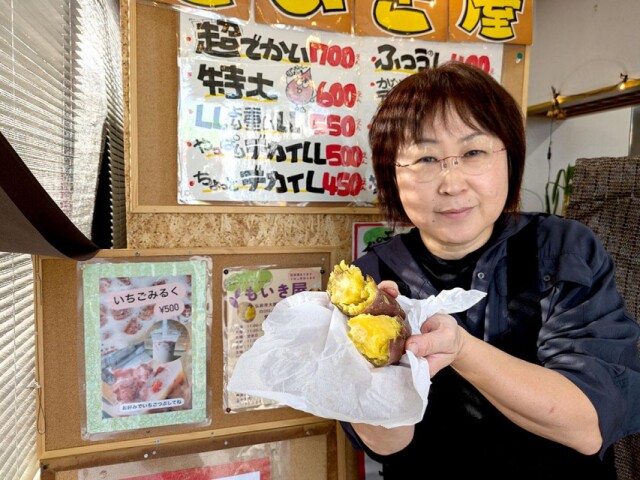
(249, 297)
(145, 343)
(275, 114)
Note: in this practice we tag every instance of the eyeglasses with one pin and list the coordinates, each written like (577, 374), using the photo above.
(474, 162)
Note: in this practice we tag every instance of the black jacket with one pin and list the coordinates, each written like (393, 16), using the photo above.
(580, 329)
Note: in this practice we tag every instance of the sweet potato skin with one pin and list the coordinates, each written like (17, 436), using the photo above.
(396, 345)
(385, 304)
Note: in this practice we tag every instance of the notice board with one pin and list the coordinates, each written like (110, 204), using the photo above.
(63, 441)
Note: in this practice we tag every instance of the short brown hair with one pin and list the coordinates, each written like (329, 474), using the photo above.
(419, 99)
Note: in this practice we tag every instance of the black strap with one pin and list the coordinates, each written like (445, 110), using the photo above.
(523, 292)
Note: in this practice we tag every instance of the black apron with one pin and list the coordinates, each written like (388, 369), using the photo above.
(463, 436)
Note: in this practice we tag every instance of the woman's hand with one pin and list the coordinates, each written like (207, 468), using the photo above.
(538, 399)
(440, 342)
(441, 339)
(384, 441)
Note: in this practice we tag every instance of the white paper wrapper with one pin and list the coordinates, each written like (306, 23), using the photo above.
(306, 360)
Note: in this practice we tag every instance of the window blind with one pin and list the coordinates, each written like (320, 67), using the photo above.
(17, 369)
(60, 104)
(35, 74)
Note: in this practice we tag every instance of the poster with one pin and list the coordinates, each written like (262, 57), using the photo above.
(145, 331)
(504, 21)
(389, 60)
(334, 15)
(249, 296)
(272, 114)
(367, 234)
(255, 469)
(263, 461)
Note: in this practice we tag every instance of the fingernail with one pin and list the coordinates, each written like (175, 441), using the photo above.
(413, 348)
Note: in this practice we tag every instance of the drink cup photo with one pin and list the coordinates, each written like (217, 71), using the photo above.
(164, 344)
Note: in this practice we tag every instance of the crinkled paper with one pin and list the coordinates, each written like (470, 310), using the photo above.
(306, 360)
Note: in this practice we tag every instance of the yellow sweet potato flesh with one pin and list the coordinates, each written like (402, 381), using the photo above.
(373, 335)
(349, 290)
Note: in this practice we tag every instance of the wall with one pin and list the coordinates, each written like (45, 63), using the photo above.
(578, 46)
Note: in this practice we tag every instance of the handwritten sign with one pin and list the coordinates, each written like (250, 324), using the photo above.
(331, 15)
(419, 19)
(503, 21)
(268, 114)
(494, 21)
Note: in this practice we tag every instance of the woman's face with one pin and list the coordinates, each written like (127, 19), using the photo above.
(456, 210)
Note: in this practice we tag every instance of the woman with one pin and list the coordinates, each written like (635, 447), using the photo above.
(535, 381)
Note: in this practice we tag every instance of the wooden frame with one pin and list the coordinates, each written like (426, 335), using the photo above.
(56, 317)
(307, 443)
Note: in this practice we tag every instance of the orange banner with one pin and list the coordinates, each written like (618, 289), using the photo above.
(331, 15)
(494, 21)
(229, 8)
(420, 19)
(501, 21)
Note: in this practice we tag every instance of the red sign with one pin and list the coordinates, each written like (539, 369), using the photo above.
(259, 467)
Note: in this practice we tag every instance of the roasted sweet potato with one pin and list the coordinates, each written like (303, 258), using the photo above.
(379, 338)
(354, 294)
(377, 326)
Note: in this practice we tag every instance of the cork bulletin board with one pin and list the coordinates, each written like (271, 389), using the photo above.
(61, 407)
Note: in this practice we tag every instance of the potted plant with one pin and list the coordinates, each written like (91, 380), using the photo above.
(563, 184)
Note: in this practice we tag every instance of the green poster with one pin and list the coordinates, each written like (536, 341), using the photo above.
(145, 343)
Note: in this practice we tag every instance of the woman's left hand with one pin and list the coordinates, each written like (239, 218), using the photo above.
(440, 341)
